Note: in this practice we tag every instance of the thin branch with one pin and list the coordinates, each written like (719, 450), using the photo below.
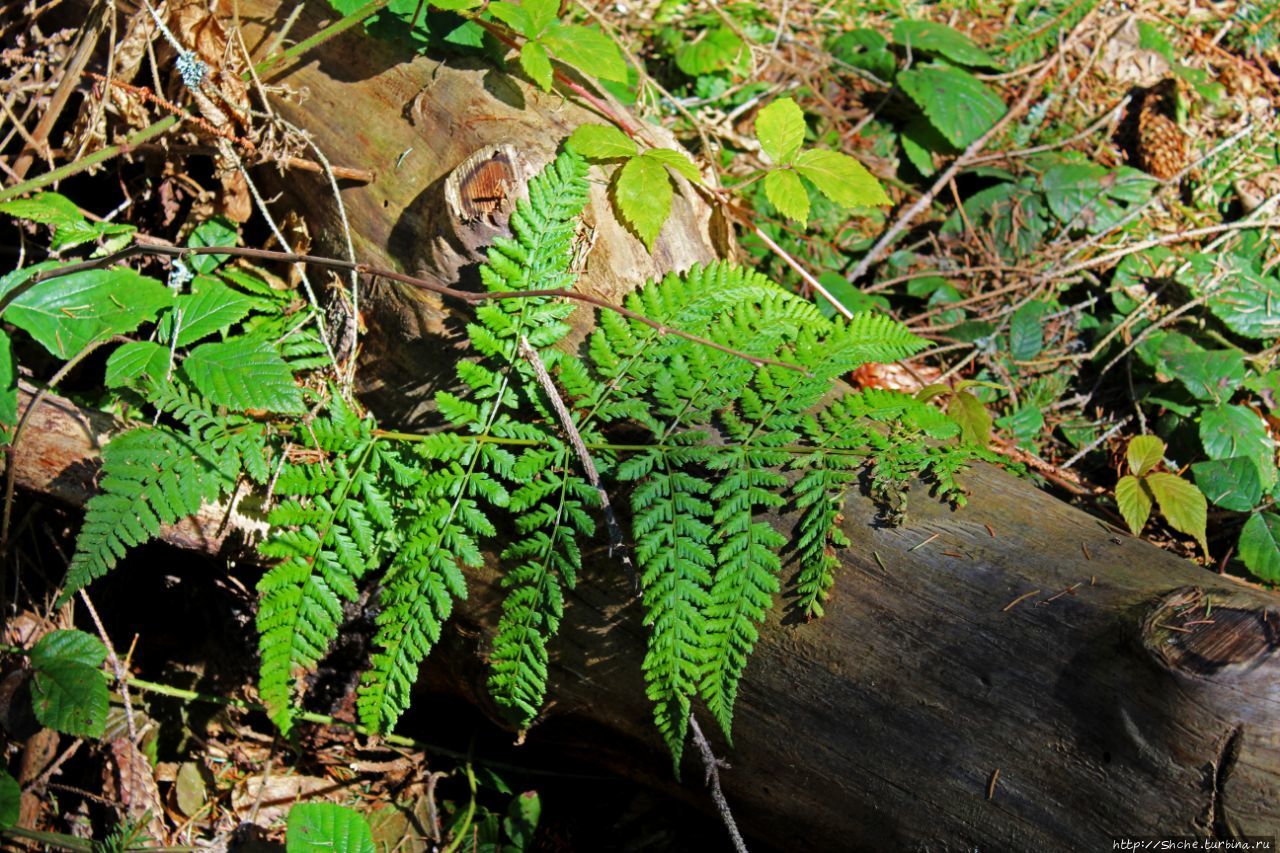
(466, 296)
(616, 545)
(713, 765)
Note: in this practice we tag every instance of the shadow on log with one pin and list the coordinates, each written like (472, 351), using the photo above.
(1043, 685)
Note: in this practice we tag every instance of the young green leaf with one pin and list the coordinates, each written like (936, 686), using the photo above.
(601, 142)
(588, 50)
(243, 374)
(515, 17)
(840, 178)
(973, 418)
(541, 14)
(713, 50)
(643, 193)
(1134, 500)
(787, 193)
(327, 828)
(1260, 545)
(677, 161)
(536, 63)
(958, 104)
(780, 128)
(1144, 453)
(1181, 503)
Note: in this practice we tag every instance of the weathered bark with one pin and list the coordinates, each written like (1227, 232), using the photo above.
(1132, 693)
(1105, 706)
(416, 122)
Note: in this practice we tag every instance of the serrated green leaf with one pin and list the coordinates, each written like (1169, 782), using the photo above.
(840, 178)
(113, 234)
(68, 645)
(1248, 304)
(1026, 332)
(958, 104)
(1231, 483)
(787, 194)
(780, 128)
(212, 232)
(1208, 374)
(68, 689)
(327, 828)
(516, 17)
(47, 208)
(942, 40)
(134, 360)
(714, 50)
(10, 800)
(1227, 431)
(1134, 500)
(643, 193)
(973, 418)
(536, 63)
(676, 161)
(210, 308)
(1260, 546)
(540, 13)
(601, 142)
(587, 50)
(243, 374)
(1144, 453)
(8, 383)
(68, 313)
(1181, 504)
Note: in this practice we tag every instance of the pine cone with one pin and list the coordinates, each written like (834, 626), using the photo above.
(1162, 145)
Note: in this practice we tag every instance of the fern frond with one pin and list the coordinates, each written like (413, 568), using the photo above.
(150, 477)
(674, 550)
(336, 524)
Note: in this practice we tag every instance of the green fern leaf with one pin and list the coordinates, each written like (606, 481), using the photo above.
(151, 477)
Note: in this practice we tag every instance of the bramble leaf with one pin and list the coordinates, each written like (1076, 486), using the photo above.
(787, 193)
(68, 690)
(536, 63)
(1144, 453)
(588, 50)
(958, 104)
(1260, 545)
(601, 142)
(942, 40)
(643, 193)
(1134, 500)
(327, 828)
(780, 127)
(840, 178)
(68, 313)
(677, 161)
(1181, 504)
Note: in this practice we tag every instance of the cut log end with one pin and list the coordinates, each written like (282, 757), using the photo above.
(1213, 635)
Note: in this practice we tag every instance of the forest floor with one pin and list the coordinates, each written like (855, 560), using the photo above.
(1084, 225)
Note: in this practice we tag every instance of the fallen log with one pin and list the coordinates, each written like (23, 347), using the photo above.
(1013, 675)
